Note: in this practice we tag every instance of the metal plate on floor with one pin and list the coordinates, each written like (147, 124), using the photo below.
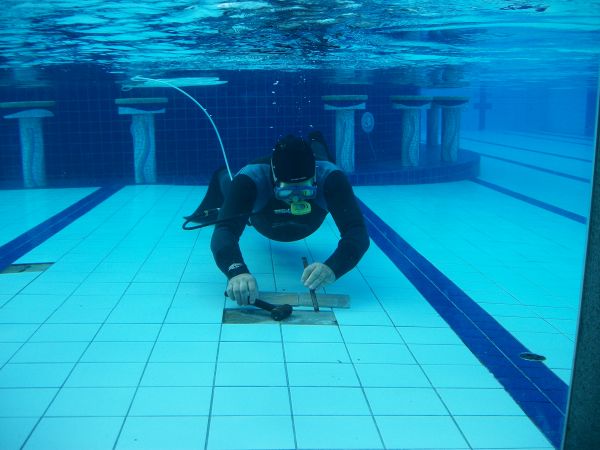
(298, 317)
(21, 268)
(303, 299)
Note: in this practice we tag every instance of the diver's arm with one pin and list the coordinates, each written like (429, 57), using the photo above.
(226, 235)
(344, 209)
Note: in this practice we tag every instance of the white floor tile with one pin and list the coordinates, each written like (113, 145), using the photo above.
(163, 334)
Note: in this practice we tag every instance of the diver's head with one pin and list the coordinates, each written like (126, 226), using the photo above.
(292, 160)
(293, 166)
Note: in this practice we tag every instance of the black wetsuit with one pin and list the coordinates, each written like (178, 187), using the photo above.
(243, 196)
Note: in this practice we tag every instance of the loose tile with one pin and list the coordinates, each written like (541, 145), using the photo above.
(405, 402)
(328, 401)
(178, 374)
(251, 374)
(251, 401)
(501, 431)
(251, 432)
(75, 433)
(322, 374)
(342, 432)
(171, 401)
(91, 402)
(159, 433)
(416, 432)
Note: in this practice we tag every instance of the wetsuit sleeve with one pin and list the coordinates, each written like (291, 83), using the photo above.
(354, 238)
(226, 236)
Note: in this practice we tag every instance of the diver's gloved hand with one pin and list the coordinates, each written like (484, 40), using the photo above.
(317, 275)
(243, 289)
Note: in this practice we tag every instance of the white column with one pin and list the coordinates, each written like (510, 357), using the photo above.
(32, 141)
(410, 107)
(451, 115)
(344, 107)
(142, 132)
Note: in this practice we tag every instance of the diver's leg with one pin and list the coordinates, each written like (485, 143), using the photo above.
(215, 195)
(319, 147)
(224, 183)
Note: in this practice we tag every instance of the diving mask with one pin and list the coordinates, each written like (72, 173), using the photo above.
(295, 193)
(296, 196)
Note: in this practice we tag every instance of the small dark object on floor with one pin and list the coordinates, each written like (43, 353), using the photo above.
(21, 268)
(247, 316)
(278, 312)
(532, 356)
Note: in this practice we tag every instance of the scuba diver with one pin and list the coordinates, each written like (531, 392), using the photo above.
(285, 196)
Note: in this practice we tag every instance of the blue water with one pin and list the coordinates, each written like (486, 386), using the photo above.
(120, 343)
(338, 36)
(532, 61)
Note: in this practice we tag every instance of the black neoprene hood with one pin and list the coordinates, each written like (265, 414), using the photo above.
(293, 160)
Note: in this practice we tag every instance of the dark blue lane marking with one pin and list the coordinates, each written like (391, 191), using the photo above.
(534, 387)
(537, 168)
(15, 249)
(533, 201)
(548, 136)
(557, 155)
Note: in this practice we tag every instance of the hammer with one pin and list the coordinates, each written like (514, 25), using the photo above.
(278, 312)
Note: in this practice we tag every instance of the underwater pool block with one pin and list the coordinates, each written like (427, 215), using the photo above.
(344, 107)
(32, 139)
(142, 111)
(410, 107)
(451, 111)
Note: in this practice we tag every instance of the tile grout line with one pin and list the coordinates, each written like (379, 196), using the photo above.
(524, 149)
(41, 273)
(289, 388)
(416, 360)
(214, 382)
(431, 283)
(141, 377)
(285, 364)
(435, 389)
(43, 415)
(545, 137)
(362, 388)
(40, 233)
(213, 387)
(360, 384)
(532, 201)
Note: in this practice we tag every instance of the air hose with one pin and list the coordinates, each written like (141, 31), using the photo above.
(140, 78)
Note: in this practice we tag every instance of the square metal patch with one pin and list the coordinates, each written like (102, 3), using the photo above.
(304, 299)
(251, 315)
(21, 268)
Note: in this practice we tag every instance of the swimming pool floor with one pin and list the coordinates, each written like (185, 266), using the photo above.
(120, 343)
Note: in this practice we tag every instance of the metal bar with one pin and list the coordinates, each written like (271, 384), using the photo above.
(313, 295)
(304, 299)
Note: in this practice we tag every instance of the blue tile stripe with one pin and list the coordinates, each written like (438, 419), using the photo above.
(553, 136)
(558, 155)
(537, 168)
(532, 201)
(539, 392)
(15, 249)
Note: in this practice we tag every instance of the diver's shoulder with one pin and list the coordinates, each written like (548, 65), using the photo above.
(255, 168)
(324, 168)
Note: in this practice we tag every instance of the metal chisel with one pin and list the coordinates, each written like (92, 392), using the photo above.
(313, 295)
